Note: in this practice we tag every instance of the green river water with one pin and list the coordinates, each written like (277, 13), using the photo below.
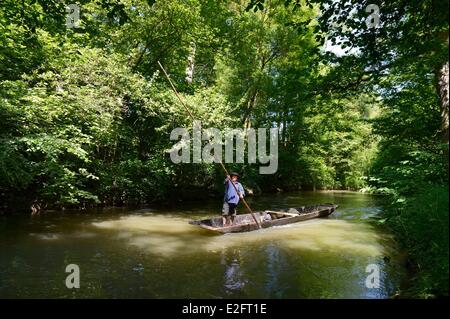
(155, 253)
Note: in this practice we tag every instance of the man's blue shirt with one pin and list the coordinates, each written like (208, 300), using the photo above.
(230, 193)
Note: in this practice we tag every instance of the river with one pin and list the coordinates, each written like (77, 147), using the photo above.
(155, 253)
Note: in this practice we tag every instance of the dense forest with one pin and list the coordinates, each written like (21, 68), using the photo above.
(87, 113)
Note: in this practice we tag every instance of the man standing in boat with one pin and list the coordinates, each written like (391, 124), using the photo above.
(231, 199)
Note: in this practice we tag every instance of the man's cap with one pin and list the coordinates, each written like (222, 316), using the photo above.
(234, 174)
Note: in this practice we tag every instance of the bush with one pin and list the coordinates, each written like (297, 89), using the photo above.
(421, 223)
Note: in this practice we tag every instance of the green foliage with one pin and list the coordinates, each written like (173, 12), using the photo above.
(399, 62)
(68, 116)
(421, 222)
(86, 114)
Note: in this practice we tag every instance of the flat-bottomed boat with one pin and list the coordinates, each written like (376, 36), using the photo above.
(268, 218)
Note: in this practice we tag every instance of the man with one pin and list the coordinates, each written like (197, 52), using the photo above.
(231, 199)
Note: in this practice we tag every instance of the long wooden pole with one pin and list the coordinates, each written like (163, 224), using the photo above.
(220, 162)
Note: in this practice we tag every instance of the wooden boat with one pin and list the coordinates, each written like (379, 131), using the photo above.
(268, 218)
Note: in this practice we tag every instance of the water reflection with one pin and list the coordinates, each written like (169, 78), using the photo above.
(317, 258)
(157, 254)
(241, 276)
(234, 279)
(276, 264)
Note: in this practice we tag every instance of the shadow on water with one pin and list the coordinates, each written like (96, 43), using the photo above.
(157, 254)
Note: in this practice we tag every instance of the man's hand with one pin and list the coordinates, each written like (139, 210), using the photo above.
(228, 177)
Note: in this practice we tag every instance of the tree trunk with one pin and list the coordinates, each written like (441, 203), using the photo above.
(250, 104)
(442, 87)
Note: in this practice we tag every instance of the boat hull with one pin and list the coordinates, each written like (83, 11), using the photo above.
(246, 223)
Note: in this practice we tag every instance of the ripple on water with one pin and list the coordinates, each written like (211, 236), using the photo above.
(46, 236)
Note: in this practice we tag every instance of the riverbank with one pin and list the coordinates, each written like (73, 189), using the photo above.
(420, 224)
(24, 203)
